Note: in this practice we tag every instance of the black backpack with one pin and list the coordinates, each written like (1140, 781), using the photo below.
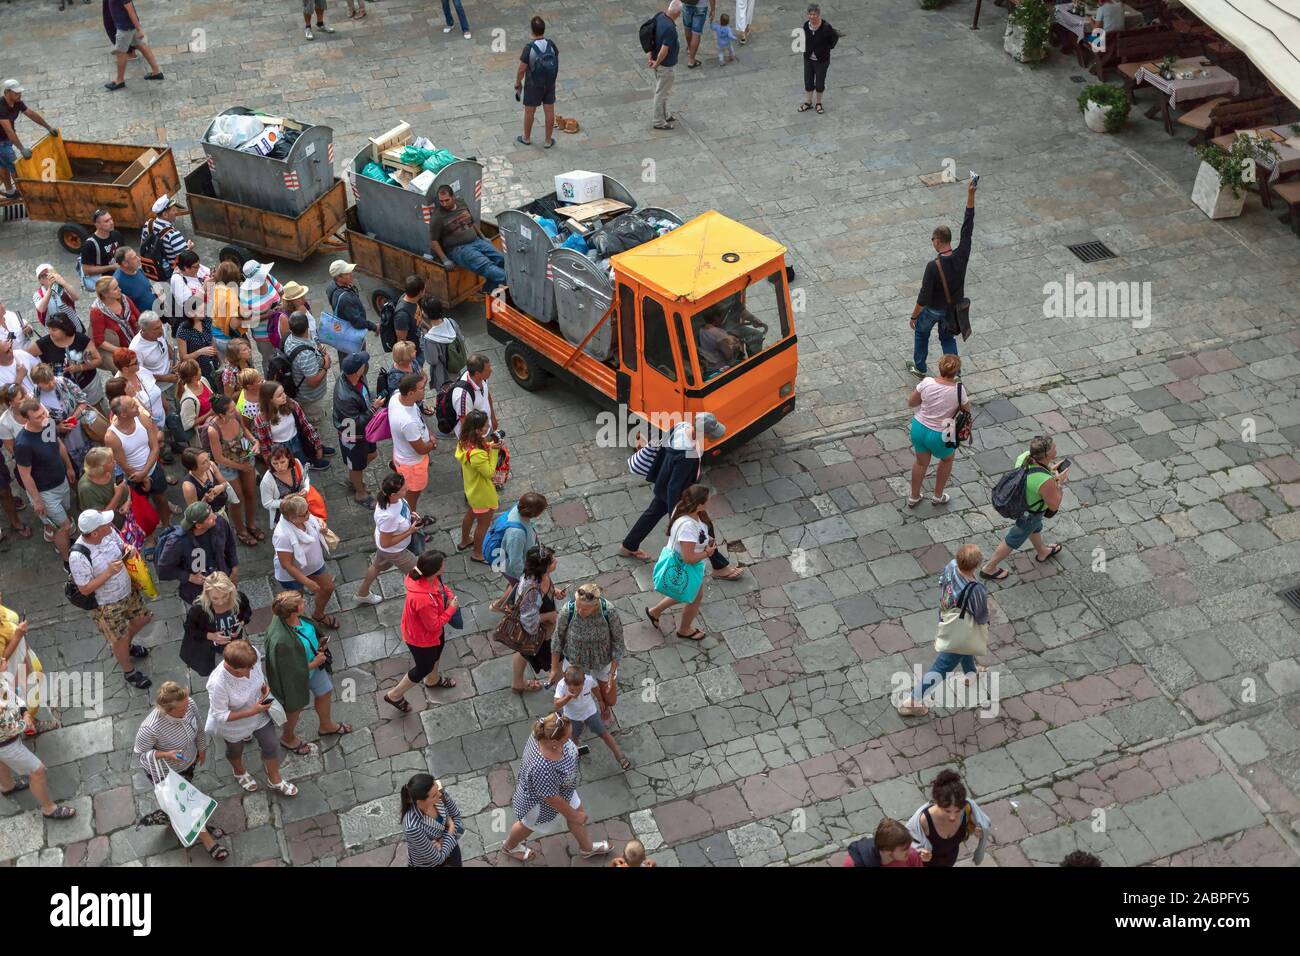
(647, 34)
(387, 334)
(86, 602)
(382, 390)
(444, 406)
(153, 257)
(543, 67)
(1011, 493)
(280, 369)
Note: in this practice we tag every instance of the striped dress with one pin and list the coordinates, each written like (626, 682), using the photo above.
(161, 731)
(424, 835)
(540, 778)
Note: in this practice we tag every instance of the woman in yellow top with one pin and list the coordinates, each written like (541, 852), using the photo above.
(223, 306)
(24, 676)
(478, 465)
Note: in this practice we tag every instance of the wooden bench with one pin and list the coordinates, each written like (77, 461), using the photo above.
(1101, 62)
(1223, 115)
(1289, 193)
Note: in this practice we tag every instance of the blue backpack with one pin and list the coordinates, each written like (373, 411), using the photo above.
(544, 65)
(164, 538)
(496, 535)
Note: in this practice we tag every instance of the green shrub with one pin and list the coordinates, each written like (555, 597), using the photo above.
(1111, 99)
(1034, 17)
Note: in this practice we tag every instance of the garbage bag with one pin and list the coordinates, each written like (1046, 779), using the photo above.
(437, 160)
(548, 226)
(376, 172)
(626, 232)
(234, 131)
(414, 155)
(575, 242)
(287, 139)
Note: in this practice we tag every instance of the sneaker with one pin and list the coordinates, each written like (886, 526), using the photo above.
(320, 466)
(138, 652)
(136, 679)
(48, 532)
(911, 367)
(466, 34)
(447, 29)
(324, 29)
(369, 598)
(583, 750)
(308, 34)
(329, 451)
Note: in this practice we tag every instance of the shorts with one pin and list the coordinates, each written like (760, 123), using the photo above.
(403, 560)
(694, 17)
(539, 95)
(268, 740)
(482, 511)
(293, 584)
(319, 683)
(157, 481)
(554, 825)
(228, 473)
(57, 503)
(417, 475)
(307, 5)
(5, 478)
(8, 157)
(127, 40)
(927, 441)
(601, 674)
(357, 455)
(1025, 525)
(114, 619)
(18, 758)
(592, 723)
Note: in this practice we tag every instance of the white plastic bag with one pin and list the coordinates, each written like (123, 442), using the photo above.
(265, 141)
(276, 713)
(234, 131)
(187, 807)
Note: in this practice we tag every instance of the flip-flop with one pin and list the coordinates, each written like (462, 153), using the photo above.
(329, 622)
(338, 731)
(1052, 552)
(695, 635)
(60, 813)
(529, 690)
(303, 749)
(1001, 574)
(464, 547)
(653, 620)
(733, 573)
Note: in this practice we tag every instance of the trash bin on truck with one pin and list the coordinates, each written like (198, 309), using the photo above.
(288, 184)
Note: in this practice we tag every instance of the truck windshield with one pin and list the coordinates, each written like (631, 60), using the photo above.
(741, 325)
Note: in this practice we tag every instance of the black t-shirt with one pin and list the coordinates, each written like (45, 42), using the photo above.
(932, 295)
(531, 52)
(74, 354)
(404, 320)
(31, 450)
(10, 113)
(99, 252)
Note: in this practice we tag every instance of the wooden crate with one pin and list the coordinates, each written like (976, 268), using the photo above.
(392, 265)
(272, 234)
(67, 180)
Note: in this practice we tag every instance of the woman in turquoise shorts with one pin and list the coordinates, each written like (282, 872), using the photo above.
(937, 399)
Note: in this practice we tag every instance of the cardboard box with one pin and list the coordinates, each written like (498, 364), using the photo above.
(422, 182)
(592, 210)
(579, 186)
(147, 159)
(399, 135)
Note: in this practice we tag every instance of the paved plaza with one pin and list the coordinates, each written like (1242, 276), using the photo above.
(1148, 695)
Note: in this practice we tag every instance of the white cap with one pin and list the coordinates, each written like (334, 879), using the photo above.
(163, 203)
(92, 521)
(13, 85)
(43, 268)
(339, 267)
(257, 270)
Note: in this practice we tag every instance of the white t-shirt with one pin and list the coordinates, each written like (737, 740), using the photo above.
(395, 519)
(282, 432)
(14, 326)
(407, 425)
(84, 570)
(151, 393)
(9, 373)
(464, 403)
(582, 706)
(155, 356)
(9, 428)
(184, 288)
(938, 403)
(689, 529)
(306, 545)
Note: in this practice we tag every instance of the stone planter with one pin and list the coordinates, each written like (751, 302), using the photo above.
(1013, 41)
(1212, 198)
(1094, 117)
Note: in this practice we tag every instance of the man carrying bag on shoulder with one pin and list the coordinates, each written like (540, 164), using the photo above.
(942, 300)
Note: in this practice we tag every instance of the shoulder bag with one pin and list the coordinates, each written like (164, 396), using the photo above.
(957, 319)
(958, 632)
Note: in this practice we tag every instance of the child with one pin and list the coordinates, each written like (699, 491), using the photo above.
(633, 855)
(576, 696)
(891, 845)
(726, 37)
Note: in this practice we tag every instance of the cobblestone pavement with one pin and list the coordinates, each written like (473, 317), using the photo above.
(1147, 711)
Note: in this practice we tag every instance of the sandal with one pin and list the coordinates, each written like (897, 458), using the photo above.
(303, 749)
(913, 502)
(247, 539)
(523, 853)
(247, 782)
(20, 784)
(23, 532)
(338, 731)
(732, 573)
(1052, 552)
(530, 686)
(401, 704)
(285, 788)
(804, 107)
(942, 499)
(218, 852)
(819, 108)
(1001, 574)
(913, 710)
(465, 546)
(329, 622)
(258, 533)
(442, 682)
(61, 813)
(653, 620)
(638, 554)
(215, 832)
(599, 848)
(695, 635)
(625, 764)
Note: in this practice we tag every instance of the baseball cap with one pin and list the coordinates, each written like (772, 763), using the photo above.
(254, 270)
(91, 521)
(339, 267)
(355, 362)
(43, 268)
(13, 85)
(196, 513)
(163, 203)
(708, 423)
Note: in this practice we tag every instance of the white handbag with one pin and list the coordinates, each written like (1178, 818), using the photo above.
(187, 807)
(958, 632)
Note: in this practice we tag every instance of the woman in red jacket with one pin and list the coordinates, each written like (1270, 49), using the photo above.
(429, 606)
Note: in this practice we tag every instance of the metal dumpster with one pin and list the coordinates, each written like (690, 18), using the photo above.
(285, 186)
(400, 217)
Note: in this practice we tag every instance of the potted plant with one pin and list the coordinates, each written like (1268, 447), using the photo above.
(1220, 187)
(1028, 26)
(1104, 107)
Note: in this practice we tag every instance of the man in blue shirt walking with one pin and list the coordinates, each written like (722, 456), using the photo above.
(662, 60)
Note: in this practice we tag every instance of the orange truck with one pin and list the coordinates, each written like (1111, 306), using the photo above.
(695, 320)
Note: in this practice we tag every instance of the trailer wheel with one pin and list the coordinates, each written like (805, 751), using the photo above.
(384, 295)
(73, 236)
(236, 254)
(524, 368)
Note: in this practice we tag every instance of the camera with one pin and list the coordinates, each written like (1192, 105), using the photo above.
(497, 436)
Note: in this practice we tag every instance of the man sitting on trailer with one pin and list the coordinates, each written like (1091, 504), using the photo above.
(11, 105)
(459, 241)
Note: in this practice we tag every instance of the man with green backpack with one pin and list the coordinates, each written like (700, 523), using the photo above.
(1028, 493)
(444, 346)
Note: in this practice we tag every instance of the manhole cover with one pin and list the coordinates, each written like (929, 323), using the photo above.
(1091, 251)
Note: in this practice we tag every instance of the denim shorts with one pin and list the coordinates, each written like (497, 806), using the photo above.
(9, 157)
(293, 584)
(927, 441)
(592, 723)
(694, 16)
(318, 682)
(1025, 525)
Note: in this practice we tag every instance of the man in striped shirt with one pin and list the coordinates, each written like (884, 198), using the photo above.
(166, 210)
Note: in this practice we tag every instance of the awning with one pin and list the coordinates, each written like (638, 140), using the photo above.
(1267, 31)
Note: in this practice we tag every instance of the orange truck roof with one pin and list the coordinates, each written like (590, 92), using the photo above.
(687, 264)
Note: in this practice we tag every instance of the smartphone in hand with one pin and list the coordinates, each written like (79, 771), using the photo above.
(1062, 465)
(974, 179)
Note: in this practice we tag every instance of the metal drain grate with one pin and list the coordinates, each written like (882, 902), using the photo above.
(1091, 251)
(1291, 596)
(1078, 79)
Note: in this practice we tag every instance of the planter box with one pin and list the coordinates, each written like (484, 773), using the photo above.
(1212, 198)
(1094, 117)
(1013, 41)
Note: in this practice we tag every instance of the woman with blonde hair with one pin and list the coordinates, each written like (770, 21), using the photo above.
(300, 553)
(218, 616)
(239, 705)
(171, 738)
(247, 392)
(937, 401)
(298, 665)
(114, 319)
(239, 356)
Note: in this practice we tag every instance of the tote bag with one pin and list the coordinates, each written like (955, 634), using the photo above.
(958, 632)
(187, 807)
(334, 332)
(673, 577)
